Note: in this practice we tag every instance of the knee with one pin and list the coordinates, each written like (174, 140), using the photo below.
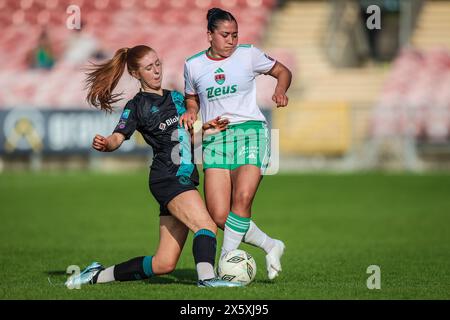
(168, 268)
(164, 266)
(242, 199)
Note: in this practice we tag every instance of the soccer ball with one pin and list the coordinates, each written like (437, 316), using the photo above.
(237, 266)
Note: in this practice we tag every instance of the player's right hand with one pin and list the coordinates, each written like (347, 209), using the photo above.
(280, 98)
(100, 143)
(188, 119)
(215, 125)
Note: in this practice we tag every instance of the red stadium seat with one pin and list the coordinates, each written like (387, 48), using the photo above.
(416, 95)
(202, 4)
(175, 28)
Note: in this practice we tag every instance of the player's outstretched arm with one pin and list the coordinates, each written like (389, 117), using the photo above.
(108, 144)
(284, 77)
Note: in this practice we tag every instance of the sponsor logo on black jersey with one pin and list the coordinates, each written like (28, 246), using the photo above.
(168, 122)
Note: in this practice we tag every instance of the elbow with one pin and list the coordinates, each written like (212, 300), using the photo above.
(288, 77)
(288, 74)
(283, 72)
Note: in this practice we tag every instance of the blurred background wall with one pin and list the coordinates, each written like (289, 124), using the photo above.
(361, 97)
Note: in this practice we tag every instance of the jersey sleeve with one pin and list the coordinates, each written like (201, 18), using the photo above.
(178, 100)
(128, 120)
(261, 62)
(189, 87)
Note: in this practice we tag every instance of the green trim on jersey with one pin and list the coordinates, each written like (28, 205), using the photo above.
(204, 51)
(196, 55)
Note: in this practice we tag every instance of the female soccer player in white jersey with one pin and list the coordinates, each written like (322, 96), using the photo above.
(220, 81)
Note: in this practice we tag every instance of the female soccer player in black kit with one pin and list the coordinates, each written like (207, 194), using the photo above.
(154, 112)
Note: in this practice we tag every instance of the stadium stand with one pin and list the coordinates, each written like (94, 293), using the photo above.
(175, 28)
(384, 99)
(416, 98)
(413, 109)
(334, 110)
(301, 26)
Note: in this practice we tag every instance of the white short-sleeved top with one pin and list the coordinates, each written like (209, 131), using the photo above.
(227, 87)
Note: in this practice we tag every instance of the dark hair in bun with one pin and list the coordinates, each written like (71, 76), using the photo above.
(215, 15)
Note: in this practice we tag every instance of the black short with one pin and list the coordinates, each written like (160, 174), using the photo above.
(165, 190)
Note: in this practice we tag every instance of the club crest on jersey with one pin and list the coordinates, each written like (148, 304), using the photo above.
(219, 76)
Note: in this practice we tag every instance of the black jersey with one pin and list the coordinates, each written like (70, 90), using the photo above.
(156, 118)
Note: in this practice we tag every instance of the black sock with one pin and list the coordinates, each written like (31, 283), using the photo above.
(134, 269)
(204, 250)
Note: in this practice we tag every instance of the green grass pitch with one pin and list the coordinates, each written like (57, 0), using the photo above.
(334, 227)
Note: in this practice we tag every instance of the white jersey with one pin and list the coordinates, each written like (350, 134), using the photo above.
(227, 87)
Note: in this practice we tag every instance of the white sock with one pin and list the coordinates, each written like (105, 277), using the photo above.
(205, 271)
(231, 240)
(257, 238)
(106, 275)
(233, 233)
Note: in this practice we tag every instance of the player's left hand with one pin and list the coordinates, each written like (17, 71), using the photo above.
(280, 98)
(187, 120)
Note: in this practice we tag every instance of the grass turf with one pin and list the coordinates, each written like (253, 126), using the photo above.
(334, 227)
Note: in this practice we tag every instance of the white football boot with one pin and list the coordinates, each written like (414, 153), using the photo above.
(273, 259)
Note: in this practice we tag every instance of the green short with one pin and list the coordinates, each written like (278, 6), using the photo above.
(238, 145)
